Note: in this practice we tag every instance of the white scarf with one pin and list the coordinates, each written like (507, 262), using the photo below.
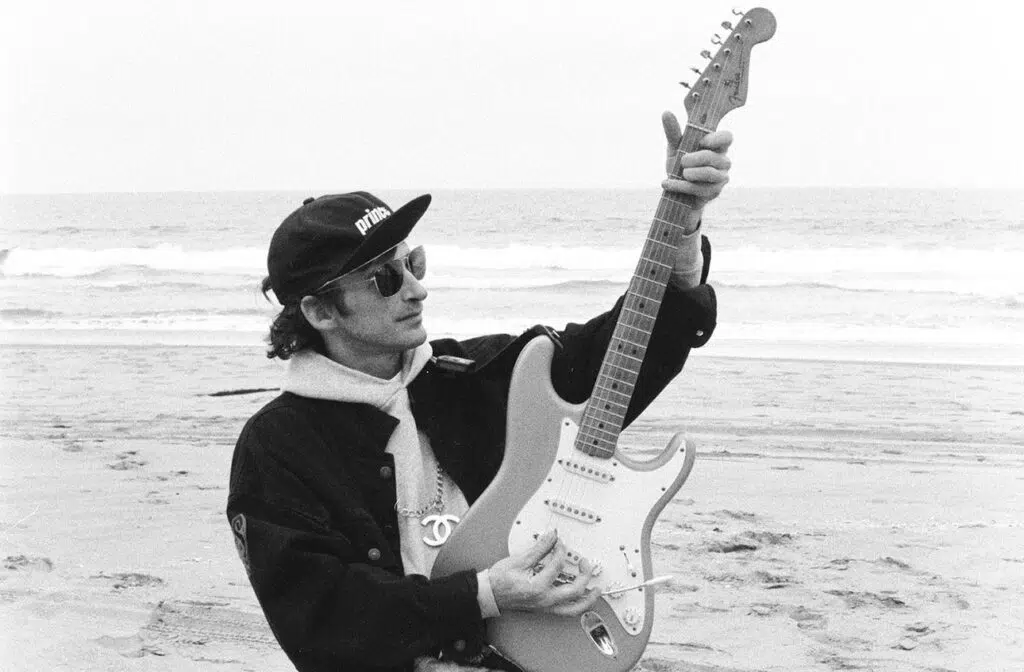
(310, 374)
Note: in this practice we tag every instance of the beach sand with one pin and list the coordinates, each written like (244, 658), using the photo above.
(840, 516)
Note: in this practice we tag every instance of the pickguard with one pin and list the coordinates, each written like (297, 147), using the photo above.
(599, 507)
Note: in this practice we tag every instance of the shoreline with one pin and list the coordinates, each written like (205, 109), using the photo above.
(87, 339)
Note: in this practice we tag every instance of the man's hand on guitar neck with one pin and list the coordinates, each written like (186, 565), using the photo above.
(705, 172)
(518, 586)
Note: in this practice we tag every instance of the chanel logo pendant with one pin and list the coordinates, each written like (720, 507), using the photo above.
(442, 529)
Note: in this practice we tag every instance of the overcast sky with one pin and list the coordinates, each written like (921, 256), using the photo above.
(111, 95)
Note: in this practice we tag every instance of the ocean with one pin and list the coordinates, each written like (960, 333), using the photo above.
(851, 321)
(839, 274)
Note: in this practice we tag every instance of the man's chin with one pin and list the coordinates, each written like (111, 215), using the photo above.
(416, 337)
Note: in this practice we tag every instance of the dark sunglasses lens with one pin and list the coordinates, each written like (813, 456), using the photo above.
(416, 262)
(389, 278)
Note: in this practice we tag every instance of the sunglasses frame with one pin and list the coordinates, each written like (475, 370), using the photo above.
(403, 264)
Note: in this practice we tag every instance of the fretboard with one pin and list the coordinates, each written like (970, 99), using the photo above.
(605, 413)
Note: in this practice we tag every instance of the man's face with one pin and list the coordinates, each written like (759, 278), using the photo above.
(375, 324)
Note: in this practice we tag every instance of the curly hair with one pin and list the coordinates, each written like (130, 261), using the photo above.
(291, 331)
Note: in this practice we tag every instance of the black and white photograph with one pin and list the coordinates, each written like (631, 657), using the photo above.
(552, 336)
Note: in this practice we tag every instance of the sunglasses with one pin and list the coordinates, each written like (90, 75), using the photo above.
(389, 277)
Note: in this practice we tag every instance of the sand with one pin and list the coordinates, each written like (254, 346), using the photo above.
(796, 545)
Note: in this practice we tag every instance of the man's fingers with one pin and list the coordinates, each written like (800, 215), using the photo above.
(673, 133)
(719, 141)
(705, 174)
(540, 548)
(705, 157)
(576, 603)
(705, 190)
(552, 564)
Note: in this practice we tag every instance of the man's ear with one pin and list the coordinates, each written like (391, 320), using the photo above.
(319, 315)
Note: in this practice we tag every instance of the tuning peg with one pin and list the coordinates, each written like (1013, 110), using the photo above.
(737, 12)
(706, 54)
(726, 25)
(717, 39)
(695, 70)
(685, 85)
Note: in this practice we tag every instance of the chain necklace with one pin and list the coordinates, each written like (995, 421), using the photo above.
(441, 524)
(436, 505)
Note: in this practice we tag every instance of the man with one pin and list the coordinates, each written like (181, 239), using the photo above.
(377, 432)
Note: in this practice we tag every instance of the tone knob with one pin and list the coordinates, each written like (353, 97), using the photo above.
(631, 617)
(613, 590)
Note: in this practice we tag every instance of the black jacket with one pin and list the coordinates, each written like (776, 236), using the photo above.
(312, 492)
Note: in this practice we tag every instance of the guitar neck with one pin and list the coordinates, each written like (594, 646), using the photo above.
(605, 413)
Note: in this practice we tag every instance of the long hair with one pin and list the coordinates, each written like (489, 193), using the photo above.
(290, 331)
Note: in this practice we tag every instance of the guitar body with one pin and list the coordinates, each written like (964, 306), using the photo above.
(603, 509)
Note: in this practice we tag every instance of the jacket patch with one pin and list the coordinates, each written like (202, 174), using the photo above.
(241, 542)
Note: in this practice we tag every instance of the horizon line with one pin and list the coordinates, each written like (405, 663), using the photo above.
(327, 190)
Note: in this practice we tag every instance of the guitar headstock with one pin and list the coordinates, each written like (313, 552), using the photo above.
(722, 86)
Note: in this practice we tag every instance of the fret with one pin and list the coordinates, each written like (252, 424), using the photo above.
(658, 263)
(672, 225)
(592, 433)
(608, 390)
(643, 313)
(623, 326)
(611, 402)
(655, 284)
(631, 358)
(619, 337)
(602, 453)
(630, 370)
(603, 416)
(663, 244)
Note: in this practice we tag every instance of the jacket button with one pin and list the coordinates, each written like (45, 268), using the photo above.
(700, 332)
(373, 554)
(459, 645)
(386, 471)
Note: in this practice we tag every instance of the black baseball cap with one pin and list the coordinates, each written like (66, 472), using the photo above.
(329, 236)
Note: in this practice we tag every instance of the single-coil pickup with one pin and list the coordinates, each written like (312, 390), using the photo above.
(572, 511)
(587, 471)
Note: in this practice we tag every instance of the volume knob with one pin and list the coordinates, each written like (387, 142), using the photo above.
(631, 617)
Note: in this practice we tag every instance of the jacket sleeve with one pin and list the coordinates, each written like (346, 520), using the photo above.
(325, 594)
(686, 319)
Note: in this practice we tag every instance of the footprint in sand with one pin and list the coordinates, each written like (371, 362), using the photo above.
(736, 515)
(130, 580)
(773, 581)
(808, 619)
(855, 600)
(126, 461)
(749, 541)
(29, 563)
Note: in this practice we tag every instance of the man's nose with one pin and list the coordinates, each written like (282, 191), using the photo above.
(413, 288)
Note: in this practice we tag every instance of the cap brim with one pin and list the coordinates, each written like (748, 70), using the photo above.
(391, 232)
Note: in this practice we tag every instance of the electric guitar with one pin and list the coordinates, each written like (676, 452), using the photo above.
(562, 465)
